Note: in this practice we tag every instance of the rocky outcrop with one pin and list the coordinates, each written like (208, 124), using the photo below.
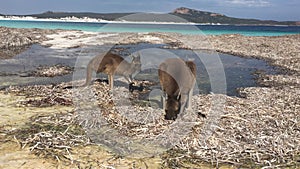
(182, 10)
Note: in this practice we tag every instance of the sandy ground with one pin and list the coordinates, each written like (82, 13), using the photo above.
(13, 155)
(12, 118)
(248, 127)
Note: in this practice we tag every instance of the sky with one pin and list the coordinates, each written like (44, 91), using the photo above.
(280, 10)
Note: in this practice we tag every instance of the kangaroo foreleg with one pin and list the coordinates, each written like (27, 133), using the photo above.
(189, 101)
(183, 102)
(111, 81)
(163, 100)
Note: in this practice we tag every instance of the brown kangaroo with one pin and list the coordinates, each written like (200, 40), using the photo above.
(177, 79)
(113, 64)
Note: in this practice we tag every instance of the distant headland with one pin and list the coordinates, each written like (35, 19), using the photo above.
(191, 16)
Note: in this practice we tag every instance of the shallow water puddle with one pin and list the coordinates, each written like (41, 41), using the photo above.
(17, 71)
(239, 72)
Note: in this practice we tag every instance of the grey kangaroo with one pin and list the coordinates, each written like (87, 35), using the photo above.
(113, 64)
(177, 79)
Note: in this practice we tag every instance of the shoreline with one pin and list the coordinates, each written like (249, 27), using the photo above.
(102, 21)
(280, 51)
(94, 20)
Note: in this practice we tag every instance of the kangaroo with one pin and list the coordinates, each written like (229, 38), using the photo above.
(113, 64)
(177, 79)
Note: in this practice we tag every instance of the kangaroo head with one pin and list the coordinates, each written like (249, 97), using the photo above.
(172, 108)
(136, 62)
(136, 59)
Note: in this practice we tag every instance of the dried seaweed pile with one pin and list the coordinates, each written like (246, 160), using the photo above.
(279, 80)
(14, 37)
(49, 135)
(52, 136)
(43, 95)
(115, 120)
(51, 71)
(120, 110)
(282, 51)
(262, 129)
(14, 41)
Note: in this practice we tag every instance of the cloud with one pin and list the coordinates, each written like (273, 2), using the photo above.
(249, 3)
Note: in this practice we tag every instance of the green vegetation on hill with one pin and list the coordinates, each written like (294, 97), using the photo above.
(208, 17)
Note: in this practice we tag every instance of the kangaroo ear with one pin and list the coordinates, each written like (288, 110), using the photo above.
(138, 55)
(192, 66)
(131, 56)
(163, 67)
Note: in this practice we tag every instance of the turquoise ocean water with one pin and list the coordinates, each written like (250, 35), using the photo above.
(131, 27)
